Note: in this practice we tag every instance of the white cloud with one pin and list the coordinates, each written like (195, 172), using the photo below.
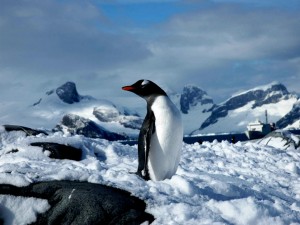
(61, 38)
(206, 46)
(46, 43)
(222, 48)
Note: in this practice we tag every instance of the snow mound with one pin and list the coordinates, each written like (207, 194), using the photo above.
(21, 210)
(282, 139)
(216, 183)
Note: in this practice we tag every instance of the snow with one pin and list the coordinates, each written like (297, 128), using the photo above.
(21, 210)
(249, 210)
(290, 141)
(238, 119)
(193, 120)
(196, 116)
(216, 183)
(262, 87)
(50, 111)
(295, 125)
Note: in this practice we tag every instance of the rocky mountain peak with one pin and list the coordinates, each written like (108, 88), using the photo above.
(270, 93)
(257, 97)
(191, 96)
(68, 93)
(278, 87)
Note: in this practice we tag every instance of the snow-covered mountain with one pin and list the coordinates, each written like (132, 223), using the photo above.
(191, 97)
(199, 112)
(291, 119)
(194, 104)
(234, 114)
(66, 104)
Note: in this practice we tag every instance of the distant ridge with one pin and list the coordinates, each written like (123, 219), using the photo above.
(247, 105)
(200, 114)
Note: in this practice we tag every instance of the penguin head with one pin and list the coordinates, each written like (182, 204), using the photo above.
(145, 89)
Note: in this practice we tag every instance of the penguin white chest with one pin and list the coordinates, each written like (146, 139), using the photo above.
(166, 141)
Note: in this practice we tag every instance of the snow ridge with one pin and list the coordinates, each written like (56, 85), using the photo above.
(246, 106)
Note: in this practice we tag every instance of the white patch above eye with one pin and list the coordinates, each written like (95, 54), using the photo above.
(145, 82)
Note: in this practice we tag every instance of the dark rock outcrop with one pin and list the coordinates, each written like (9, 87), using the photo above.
(191, 96)
(38, 102)
(80, 203)
(28, 131)
(59, 151)
(68, 93)
(82, 126)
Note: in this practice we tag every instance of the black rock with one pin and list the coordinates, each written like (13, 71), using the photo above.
(28, 131)
(191, 96)
(82, 126)
(12, 151)
(37, 103)
(68, 93)
(50, 92)
(80, 203)
(59, 151)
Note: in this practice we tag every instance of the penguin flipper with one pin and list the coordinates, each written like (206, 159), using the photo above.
(148, 128)
(150, 131)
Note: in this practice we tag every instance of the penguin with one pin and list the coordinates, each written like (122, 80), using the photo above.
(161, 134)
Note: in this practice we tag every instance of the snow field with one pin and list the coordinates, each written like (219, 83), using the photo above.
(216, 183)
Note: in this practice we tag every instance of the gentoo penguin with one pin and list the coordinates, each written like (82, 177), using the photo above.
(161, 134)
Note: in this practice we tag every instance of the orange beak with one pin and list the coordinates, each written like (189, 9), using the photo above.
(128, 88)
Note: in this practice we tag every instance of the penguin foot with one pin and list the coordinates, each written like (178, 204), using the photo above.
(140, 174)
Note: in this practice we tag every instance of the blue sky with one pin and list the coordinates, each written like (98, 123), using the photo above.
(223, 46)
(147, 13)
(136, 14)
